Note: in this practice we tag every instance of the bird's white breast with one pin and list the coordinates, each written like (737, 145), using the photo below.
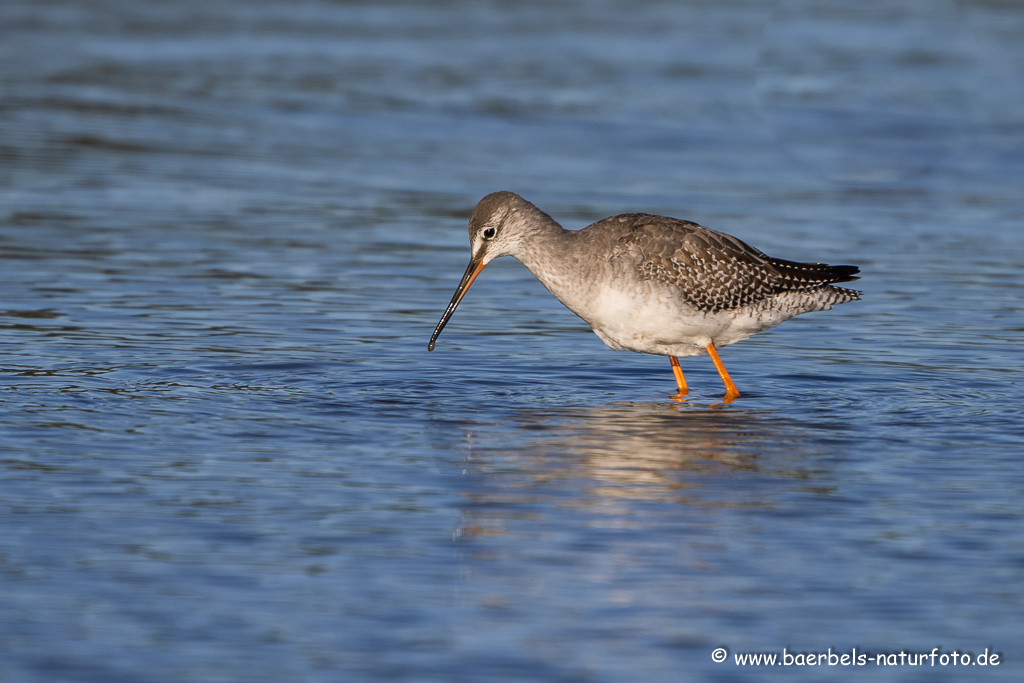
(647, 320)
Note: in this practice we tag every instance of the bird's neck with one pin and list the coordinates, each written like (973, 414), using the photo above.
(553, 257)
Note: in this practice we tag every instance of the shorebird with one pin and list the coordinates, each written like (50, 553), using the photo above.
(651, 284)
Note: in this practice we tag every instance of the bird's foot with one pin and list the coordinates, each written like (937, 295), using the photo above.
(726, 400)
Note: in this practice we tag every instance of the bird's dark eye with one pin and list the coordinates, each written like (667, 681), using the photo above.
(489, 233)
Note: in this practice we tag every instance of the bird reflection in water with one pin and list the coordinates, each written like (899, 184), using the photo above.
(605, 457)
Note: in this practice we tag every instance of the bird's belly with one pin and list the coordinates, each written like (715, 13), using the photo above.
(658, 322)
(650, 322)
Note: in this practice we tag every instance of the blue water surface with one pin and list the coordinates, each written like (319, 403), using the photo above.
(227, 230)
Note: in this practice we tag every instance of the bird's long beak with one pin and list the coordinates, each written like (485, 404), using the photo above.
(476, 264)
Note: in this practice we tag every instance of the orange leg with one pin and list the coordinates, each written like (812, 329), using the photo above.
(680, 380)
(731, 391)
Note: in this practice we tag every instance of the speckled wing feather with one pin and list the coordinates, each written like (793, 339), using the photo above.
(715, 271)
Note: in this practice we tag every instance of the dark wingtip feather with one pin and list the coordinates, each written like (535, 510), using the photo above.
(845, 273)
(823, 273)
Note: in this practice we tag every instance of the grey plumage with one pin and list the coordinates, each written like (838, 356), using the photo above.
(717, 272)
